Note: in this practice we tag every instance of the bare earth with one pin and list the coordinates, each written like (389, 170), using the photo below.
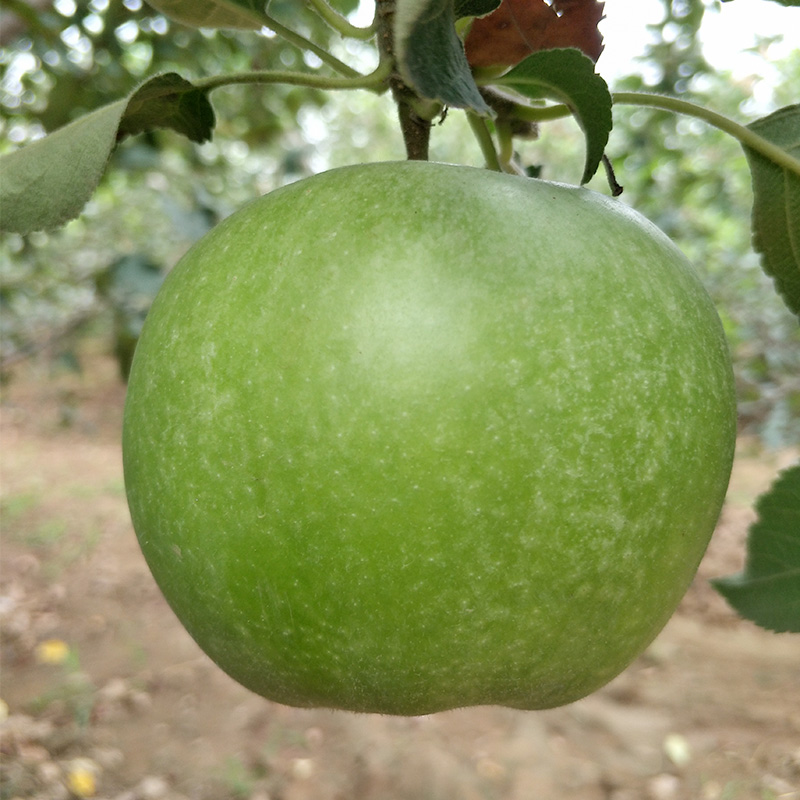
(132, 710)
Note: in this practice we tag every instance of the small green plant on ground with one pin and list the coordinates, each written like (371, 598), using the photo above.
(74, 694)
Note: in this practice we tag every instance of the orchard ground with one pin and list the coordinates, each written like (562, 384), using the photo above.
(107, 696)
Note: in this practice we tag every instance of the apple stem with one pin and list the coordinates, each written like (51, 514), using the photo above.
(414, 113)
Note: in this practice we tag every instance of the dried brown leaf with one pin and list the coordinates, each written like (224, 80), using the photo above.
(518, 28)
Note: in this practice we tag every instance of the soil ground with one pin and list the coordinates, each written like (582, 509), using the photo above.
(105, 695)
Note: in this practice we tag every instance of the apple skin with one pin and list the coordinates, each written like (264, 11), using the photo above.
(405, 437)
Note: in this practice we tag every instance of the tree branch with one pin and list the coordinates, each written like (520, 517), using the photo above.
(416, 129)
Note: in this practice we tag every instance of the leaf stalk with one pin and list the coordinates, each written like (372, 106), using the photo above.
(485, 142)
(744, 134)
(306, 44)
(339, 23)
(375, 81)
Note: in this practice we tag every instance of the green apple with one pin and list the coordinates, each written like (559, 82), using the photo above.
(405, 437)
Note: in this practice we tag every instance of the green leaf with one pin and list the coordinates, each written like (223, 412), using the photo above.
(431, 56)
(475, 8)
(169, 101)
(566, 74)
(768, 590)
(241, 14)
(47, 183)
(776, 204)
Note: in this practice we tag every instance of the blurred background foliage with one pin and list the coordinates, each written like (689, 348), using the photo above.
(97, 276)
